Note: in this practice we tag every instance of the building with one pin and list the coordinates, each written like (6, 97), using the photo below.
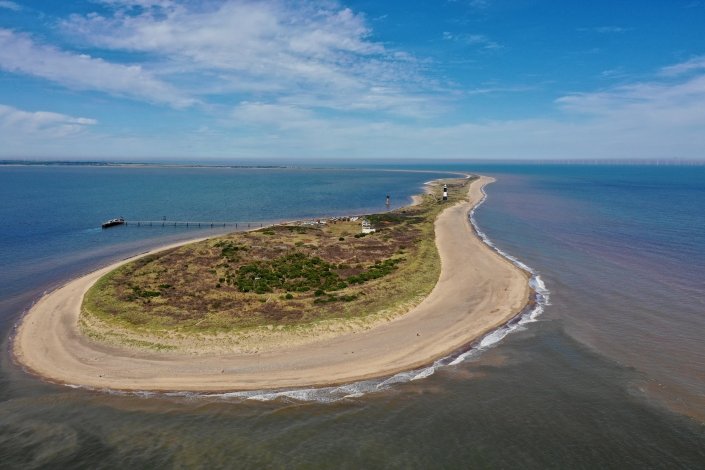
(367, 227)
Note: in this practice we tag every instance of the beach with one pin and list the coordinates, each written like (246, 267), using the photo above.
(478, 291)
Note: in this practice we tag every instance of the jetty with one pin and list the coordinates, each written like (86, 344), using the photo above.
(187, 223)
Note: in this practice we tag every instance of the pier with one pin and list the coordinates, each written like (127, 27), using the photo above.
(196, 224)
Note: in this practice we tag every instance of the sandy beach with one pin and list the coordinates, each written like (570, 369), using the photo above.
(478, 291)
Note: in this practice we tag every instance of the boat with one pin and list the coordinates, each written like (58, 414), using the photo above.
(113, 222)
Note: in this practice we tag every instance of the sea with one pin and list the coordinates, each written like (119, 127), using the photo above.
(606, 370)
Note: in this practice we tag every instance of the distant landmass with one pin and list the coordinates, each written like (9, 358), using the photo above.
(91, 163)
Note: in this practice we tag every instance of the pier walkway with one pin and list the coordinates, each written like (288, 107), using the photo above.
(183, 223)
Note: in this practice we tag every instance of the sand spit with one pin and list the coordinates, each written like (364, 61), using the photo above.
(478, 291)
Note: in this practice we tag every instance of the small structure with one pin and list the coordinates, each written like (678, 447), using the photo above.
(367, 227)
(445, 192)
(113, 222)
(388, 202)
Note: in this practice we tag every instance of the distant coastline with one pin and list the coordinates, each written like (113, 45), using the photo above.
(128, 164)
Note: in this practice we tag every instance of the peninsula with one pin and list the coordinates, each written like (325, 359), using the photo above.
(290, 305)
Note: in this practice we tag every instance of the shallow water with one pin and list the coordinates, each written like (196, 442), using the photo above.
(610, 375)
(622, 248)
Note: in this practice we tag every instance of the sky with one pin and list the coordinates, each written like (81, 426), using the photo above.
(168, 80)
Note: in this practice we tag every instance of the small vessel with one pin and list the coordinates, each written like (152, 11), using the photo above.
(113, 222)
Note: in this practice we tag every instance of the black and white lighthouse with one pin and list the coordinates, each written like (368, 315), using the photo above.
(388, 202)
(445, 192)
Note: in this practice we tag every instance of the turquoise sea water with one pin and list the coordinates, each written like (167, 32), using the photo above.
(611, 375)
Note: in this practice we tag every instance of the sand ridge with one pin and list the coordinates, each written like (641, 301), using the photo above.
(478, 291)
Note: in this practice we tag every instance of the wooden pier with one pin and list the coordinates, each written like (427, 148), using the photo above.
(184, 223)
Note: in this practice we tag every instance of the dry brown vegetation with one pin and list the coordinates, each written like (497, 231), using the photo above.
(283, 275)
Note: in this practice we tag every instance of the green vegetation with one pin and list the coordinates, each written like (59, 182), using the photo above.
(377, 270)
(230, 250)
(298, 272)
(295, 272)
(286, 275)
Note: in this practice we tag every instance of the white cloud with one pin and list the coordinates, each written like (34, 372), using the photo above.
(16, 123)
(610, 29)
(10, 5)
(479, 3)
(479, 40)
(645, 104)
(694, 64)
(482, 40)
(272, 49)
(19, 53)
(652, 119)
(605, 29)
(613, 73)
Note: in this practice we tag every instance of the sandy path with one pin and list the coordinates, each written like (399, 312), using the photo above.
(477, 291)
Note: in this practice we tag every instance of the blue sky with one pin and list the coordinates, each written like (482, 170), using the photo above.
(435, 80)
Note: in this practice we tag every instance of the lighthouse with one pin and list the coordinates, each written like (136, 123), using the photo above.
(388, 202)
(445, 192)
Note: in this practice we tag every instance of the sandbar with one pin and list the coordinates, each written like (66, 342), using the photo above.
(478, 291)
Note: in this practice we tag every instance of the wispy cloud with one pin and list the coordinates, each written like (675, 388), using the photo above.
(605, 29)
(479, 40)
(486, 90)
(610, 29)
(19, 53)
(694, 64)
(650, 119)
(656, 118)
(481, 4)
(613, 73)
(668, 104)
(16, 123)
(8, 5)
(271, 48)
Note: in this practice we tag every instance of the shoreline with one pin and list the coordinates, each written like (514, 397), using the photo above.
(47, 341)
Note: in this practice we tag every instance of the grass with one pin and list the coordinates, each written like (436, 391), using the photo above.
(293, 272)
(283, 276)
